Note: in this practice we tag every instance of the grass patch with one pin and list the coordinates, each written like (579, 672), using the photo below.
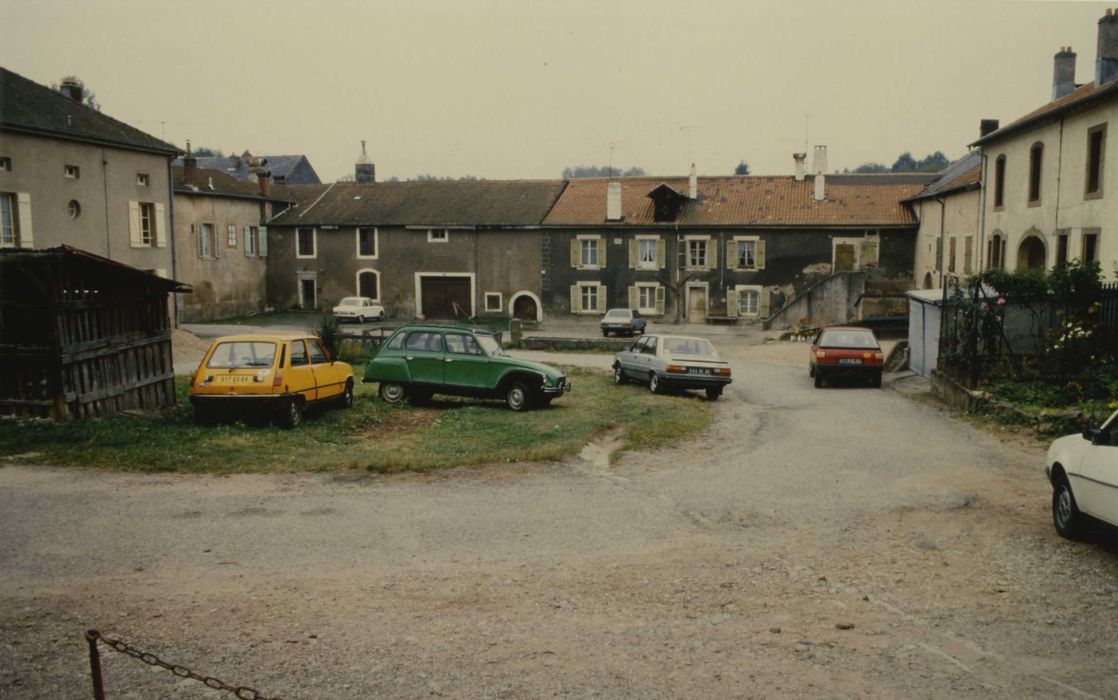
(371, 436)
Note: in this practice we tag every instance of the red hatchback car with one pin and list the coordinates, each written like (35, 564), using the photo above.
(847, 352)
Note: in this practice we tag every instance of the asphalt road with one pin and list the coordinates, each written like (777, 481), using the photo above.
(845, 542)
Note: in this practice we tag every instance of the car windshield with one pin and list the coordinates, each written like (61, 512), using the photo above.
(847, 338)
(241, 354)
(689, 346)
(489, 345)
(350, 301)
(618, 313)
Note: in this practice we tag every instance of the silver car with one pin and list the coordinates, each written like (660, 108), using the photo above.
(666, 362)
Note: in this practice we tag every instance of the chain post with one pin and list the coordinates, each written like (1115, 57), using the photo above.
(91, 636)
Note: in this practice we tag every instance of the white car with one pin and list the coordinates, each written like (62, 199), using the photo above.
(1083, 471)
(360, 309)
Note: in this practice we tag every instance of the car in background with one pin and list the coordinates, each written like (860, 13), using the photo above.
(846, 352)
(666, 362)
(418, 361)
(360, 309)
(1083, 471)
(623, 322)
(274, 376)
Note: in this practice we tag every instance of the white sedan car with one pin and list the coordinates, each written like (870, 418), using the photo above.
(358, 309)
(1083, 471)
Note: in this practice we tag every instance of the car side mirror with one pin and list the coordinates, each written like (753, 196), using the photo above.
(1091, 435)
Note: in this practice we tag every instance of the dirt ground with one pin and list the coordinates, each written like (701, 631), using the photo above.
(833, 543)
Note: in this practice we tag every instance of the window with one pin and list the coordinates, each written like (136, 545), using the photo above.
(697, 254)
(73, 209)
(73, 172)
(588, 256)
(231, 235)
(318, 355)
(939, 254)
(1096, 151)
(647, 253)
(646, 298)
(462, 344)
(745, 255)
(589, 297)
(425, 341)
(298, 354)
(141, 179)
(5, 164)
(999, 182)
(1061, 249)
(995, 252)
(368, 284)
(205, 241)
(1090, 247)
(438, 235)
(749, 301)
(306, 245)
(493, 301)
(252, 241)
(951, 254)
(147, 223)
(7, 221)
(968, 255)
(366, 243)
(1036, 160)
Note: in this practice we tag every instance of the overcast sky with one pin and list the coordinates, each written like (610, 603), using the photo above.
(519, 89)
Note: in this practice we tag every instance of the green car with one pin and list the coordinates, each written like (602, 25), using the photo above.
(422, 360)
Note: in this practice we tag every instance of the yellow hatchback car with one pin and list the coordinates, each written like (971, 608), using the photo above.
(279, 375)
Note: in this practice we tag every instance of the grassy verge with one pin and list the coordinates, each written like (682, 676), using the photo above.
(371, 436)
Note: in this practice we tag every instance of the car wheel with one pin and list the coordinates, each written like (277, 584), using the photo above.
(619, 375)
(392, 392)
(713, 392)
(1065, 513)
(654, 383)
(292, 416)
(818, 381)
(517, 397)
(346, 399)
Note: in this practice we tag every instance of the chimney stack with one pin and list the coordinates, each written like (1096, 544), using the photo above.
(364, 172)
(1106, 65)
(613, 201)
(189, 167)
(1063, 73)
(819, 166)
(72, 87)
(693, 184)
(801, 163)
(987, 127)
(264, 177)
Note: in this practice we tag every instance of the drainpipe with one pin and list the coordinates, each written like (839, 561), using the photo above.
(171, 239)
(979, 254)
(942, 245)
(1059, 177)
(105, 185)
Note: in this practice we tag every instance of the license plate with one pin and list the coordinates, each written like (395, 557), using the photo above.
(849, 361)
(234, 379)
(699, 370)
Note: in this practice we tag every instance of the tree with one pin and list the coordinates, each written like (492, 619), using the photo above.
(742, 168)
(203, 152)
(871, 168)
(600, 171)
(905, 163)
(89, 98)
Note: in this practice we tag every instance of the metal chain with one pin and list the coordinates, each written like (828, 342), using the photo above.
(243, 692)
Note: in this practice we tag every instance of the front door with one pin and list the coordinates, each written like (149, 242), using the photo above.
(1098, 490)
(308, 297)
(423, 351)
(299, 375)
(465, 364)
(446, 297)
(844, 257)
(524, 308)
(696, 304)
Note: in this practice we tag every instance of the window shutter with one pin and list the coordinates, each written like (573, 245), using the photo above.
(215, 241)
(764, 303)
(660, 294)
(602, 253)
(26, 230)
(576, 259)
(248, 240)
(869, 253)
(759, 254)
(160, 226)
(712, 255)
(134, 238)
(733, 305)
(634, 297)
(601, 299)
(731, 255)
(634, 252)
(262, 242)
(661, 254)
(575, 299)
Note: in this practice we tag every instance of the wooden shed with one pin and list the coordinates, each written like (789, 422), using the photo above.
(82, 336)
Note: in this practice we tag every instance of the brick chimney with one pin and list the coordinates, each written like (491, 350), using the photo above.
(72, 87)
(189, 167)
(801, 162)
(987, 127)
(364, 172)
(1063, 73)
(1106, 65)
(264, 177)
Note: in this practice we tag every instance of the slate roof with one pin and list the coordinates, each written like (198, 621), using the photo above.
(239, 167)
(222, 184)
(1083, 96)
(961, 175)
(748, 200)
(437, 203)
(30, 107)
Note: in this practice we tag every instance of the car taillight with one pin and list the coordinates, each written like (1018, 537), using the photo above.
(722, 371)
(676, 369)
(278, 381)
(820, 355)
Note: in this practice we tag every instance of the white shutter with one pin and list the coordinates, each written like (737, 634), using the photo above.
(248, 241)
(731, 255)
(660, 300)
(602, 253)
(135, 240)
(601, 299)
(634, 252)
(759, 255)
(733, 304)
(262, 242)
(575, 300)
(160, 225)
(26, 230)
(712, 255)
(576, 260)
(634, 297)
(764, 299)
(661, 254)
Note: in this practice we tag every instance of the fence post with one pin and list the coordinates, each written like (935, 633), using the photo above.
(95, 665)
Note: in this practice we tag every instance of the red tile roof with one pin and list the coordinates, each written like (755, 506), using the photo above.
(851, 200)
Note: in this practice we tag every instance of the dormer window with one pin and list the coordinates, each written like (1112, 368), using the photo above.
(666, 202)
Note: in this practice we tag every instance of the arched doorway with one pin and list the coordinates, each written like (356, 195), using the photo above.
(928, 281)
(526, 307)
(368, 284)
(1031, 254)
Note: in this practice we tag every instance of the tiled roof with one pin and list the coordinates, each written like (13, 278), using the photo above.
(428, 203)
(747, 200)
(240, 167)
(213, 182)
(1080, 97)
(30, 107)
(963, 174)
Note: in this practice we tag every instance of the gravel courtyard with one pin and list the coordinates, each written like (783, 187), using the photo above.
(835, 543)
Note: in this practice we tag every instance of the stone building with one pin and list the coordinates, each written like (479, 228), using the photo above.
(949, 212)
